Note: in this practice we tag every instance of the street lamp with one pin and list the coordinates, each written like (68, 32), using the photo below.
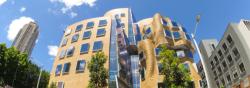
(198, 50)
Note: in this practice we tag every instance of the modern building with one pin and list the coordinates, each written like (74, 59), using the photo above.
(228, 60)
(162, 31)
(26, 38)
(131, 48)
(206, 48)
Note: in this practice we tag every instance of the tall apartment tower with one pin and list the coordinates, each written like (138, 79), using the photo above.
(26, 38)
(130, 46)
(227, 63)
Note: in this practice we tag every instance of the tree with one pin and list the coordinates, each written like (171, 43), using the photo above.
(18, 71)
(176, 75)
(98, 73)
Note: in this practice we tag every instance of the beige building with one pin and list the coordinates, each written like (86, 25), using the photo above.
(129, 45)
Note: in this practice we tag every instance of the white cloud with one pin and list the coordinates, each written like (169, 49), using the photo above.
(2, 2)
(22, 9)
(73, 14)
(16, 25)
(74, 3)
(52, 50)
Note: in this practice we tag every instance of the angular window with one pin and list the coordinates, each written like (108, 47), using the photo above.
(215, 74)
(97, 46)
(223, 81)
(180, 53)
(78, 28)
(189, 53)
(220, 53)
(101, 32)
(122, 25)
(66, 68)
(168, 33)
(60, 85)
(86, 34)
(176, 35)
(216, 59)
(229, 39)
(242, 68)
(122, 14)
(67, 31)
(85, 48)
(236, 52)
(235, 74)
(224, 64)
(62, 54)
(148, 30)
(219, 69)
(164, 22)
(90, 25)
(157, 51)
(212, 64)
(58, 69)
(80, 65)
(228, 78)
(75, 38)
(174, 23)
(229, 58)
(64, 42)
(186, 66)
(70, 51)
(102, 23)
(188, 36)
(160, 68)
(224, 46)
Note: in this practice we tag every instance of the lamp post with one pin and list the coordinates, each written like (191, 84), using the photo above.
(39, 78)
(198, 50)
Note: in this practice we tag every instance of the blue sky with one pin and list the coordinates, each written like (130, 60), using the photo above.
(53, 16)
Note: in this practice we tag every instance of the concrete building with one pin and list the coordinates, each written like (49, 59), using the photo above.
(130, 46)
(228, 60)
(26, 38)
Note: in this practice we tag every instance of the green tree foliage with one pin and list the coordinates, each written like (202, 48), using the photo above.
(176, 75)
(98, 73)
(18, 71)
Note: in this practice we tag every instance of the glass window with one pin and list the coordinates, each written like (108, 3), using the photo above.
(148, 30)
(228, 78)
(219, 69)
(220, 53)
(66, 68)
(224, 64)
(85, 48)
(78, 28)
(122, 14)
(58, 69)
(236, 52)
(90, 25)
(223, 81)
(186, 66)
(102, 23)
(164, 22)
(67, 31)
(157, 51)
(174, 23)
(224, 46)
(188, 36)
(97, 46)
(168, 33)
(229, 39)
(212, 64)
(215, 74)
(74, 38)
(180, 53)
(235, 74)
(176, 35)
(70, 51)
(216, 59)
(160, 68)
(242, 68)
(122, 25)
(62, 54)
(101, 32)
(64, 42)
(229, 58)
(189, 54)
(80, 65)
(86, 34)
(60, 85)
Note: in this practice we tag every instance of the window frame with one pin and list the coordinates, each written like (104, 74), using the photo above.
(101, 24)
(66, 68)
(90, 24)
(84, 37)
(103, 32)
(99, 47)
(78, 27)
(58, 67)
(78, 64)
(73, 38)
(72, 49)
(84, 45)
